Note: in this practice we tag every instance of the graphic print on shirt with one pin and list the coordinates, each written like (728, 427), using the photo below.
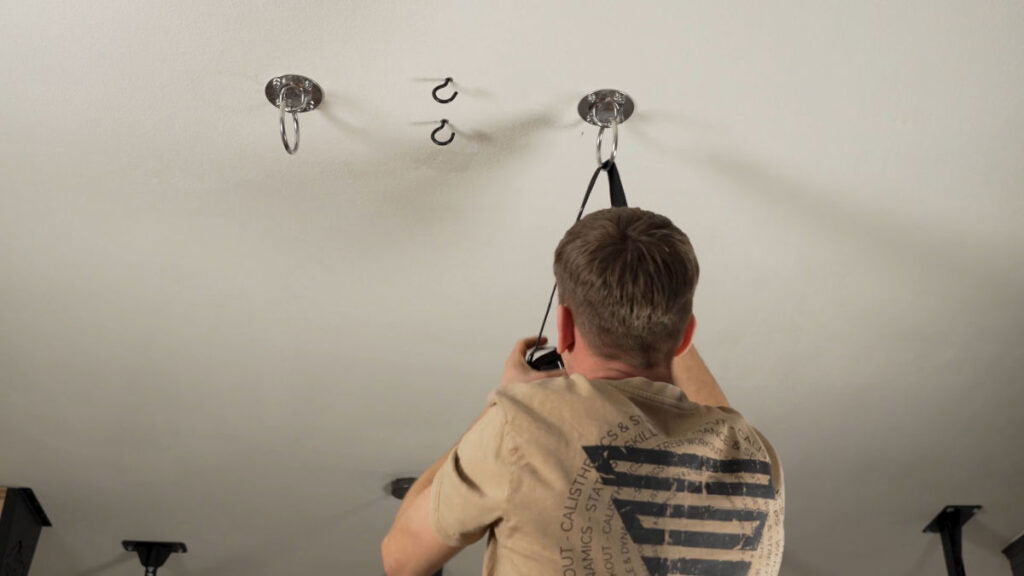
(668, 507)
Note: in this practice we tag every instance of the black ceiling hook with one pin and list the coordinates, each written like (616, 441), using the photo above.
(447, 81)
(433, 135)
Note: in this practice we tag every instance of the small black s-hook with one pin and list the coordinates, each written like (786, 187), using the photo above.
(433, 135)
(447, 81)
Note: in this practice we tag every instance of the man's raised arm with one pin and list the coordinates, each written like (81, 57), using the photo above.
(691, 374)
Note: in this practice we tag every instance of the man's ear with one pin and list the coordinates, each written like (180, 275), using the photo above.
(566, 329)
(687, 341)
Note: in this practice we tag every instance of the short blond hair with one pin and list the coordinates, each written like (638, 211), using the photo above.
(628, 276)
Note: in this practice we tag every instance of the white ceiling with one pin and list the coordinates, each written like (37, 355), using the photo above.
(205, 339)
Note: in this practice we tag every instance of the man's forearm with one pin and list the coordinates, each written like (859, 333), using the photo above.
(411, 547)
(691, 374)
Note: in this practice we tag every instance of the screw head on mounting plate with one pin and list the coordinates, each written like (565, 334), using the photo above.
(302, 94)
(606, 107)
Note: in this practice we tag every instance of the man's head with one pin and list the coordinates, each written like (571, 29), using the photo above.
(627, 277)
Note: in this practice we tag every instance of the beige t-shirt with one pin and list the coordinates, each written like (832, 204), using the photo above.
(573, 477)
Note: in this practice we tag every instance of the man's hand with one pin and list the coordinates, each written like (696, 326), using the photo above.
(516, 368)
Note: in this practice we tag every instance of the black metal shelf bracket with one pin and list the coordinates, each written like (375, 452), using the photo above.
(949, 524)
(1015, 554)
(152, 555)
(400, 486)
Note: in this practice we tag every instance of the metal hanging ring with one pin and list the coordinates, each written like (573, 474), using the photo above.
(447, 81)
(281, 103)
(433, 135)
(615, 144)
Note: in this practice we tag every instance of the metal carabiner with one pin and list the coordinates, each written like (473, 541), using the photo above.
(615, 144)
(281, 103)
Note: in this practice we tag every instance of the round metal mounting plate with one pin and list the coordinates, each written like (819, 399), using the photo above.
(598, 108)
(294, 98)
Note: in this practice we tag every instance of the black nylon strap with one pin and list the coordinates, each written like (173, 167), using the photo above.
(618, 200)
(618, 195)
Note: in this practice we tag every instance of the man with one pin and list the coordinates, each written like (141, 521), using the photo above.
(606, 468)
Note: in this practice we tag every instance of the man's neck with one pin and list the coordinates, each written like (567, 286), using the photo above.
(601, 369)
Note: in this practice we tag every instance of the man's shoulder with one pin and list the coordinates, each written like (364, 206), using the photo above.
(565, 392)
(574, 390)
(548, 386)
